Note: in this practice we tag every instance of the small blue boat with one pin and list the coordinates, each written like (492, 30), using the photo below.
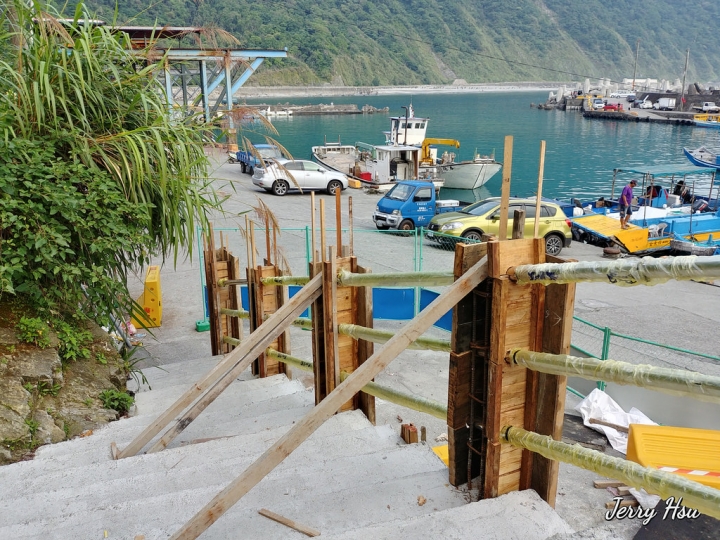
(702, 157)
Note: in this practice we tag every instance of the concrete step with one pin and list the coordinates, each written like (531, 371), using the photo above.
(358, 436)
(247, 396)
(186, 371)
(520, 515)
(163, 501)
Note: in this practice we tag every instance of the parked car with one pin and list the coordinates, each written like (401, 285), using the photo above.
(483, 217)
(598, 103)
(630, 98)
(643, 104)
(284, 175)
(619, 94)
(612, 107)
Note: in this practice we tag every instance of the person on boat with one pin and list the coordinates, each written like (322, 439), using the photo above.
(626, 203)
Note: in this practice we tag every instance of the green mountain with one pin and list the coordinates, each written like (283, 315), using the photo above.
(395, 42)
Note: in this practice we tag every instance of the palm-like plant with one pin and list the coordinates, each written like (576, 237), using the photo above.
(80, 93)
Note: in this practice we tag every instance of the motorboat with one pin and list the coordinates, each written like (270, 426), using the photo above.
(702, 157)
(407, 154)
(707, 120)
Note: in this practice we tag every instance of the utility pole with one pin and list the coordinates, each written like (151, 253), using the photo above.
(682, 91)
(637, 51)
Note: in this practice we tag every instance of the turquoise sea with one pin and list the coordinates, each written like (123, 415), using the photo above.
(580, 154)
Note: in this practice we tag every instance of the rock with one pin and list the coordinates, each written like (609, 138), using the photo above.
(8, 336)
(37, 365)
(14, 409)
(47, 432)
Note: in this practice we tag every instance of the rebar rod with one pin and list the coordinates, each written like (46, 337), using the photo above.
(284, 280)
(380, 336)
(693, 494)
(669, 381)
(235, 342)
(224, 282)
(428, 406)
(239, 313)
(625, 272)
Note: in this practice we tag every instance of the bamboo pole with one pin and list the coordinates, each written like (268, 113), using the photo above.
(350, 279)
(247, 240)
(267, 241)
(669, 381)
(275, 247)
(541, 172)
(252, 244)
(416, 403)
(505, 190)
(693, 494)
(645, 271)
(379, 336)
(239, 313)
(330, 405)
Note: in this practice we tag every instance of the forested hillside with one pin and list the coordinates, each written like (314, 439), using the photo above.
(392, 42)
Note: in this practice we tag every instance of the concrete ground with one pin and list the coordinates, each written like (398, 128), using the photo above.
(683, 314)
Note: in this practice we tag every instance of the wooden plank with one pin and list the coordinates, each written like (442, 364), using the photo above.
(329, 291)
(364, 312)
(508, 482)
(230, 363)
(557, 330)
(314, 419)
(513, 253)
(318, 340)
(538, 195)
(505, 188)
(308, 531)
(518, 229)
(459, 389)
(602, 484)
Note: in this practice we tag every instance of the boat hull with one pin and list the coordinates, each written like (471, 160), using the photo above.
(702, 158)
(468, 174)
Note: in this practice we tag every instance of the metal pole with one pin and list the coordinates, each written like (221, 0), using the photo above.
(637, 52)
(693, 494)
(670, 381)
(682, 91)
(348, 279)
(625, 272)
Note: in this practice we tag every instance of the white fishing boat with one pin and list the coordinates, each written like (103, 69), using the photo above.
(408, 154)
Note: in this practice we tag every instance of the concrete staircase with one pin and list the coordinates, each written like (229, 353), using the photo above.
(349, 480)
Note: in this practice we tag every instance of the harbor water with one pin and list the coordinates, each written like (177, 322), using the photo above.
(580, 154)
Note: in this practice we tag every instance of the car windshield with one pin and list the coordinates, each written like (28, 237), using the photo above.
(401, 192)
(479, 208)
(270, 152)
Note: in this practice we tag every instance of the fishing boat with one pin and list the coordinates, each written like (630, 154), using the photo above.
(702, 157)
(707, 120)
(407, 154)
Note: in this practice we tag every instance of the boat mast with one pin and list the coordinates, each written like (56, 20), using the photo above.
(637, 51)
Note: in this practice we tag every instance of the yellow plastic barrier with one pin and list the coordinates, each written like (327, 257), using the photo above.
(691, 453)
(151, 300)
(442, 453)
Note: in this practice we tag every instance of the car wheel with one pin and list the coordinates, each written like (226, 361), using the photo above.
(333, 186)
(473, 235)
(406, 225)
(382, 227)
(243, 168)
(554, 244)
(280, 187)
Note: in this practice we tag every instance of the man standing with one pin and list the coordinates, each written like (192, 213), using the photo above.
(626, 204)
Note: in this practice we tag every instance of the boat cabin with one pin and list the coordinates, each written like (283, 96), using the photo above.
(394, 162)
(406, 130)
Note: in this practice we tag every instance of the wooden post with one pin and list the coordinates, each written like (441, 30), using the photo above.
(350, 222)
(338, 220)
(541, 171)
(318, 340)
(364, 314)
(314, 419)
(518, 230)
(557, 330)
(505, 190)
(329, 300)
(322, 230)
(312, 221)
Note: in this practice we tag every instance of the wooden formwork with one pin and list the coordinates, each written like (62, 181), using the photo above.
(221, 264)
(499, 316)
(264, 301)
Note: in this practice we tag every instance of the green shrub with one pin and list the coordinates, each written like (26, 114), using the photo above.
(33, 330)
(72, 342)
(116, 400)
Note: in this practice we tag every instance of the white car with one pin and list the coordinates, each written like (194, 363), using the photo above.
(619, 94)
(644, 104)
(598, 103)
(282, 175)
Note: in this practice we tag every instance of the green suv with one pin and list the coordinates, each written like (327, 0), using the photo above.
(483, 217)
